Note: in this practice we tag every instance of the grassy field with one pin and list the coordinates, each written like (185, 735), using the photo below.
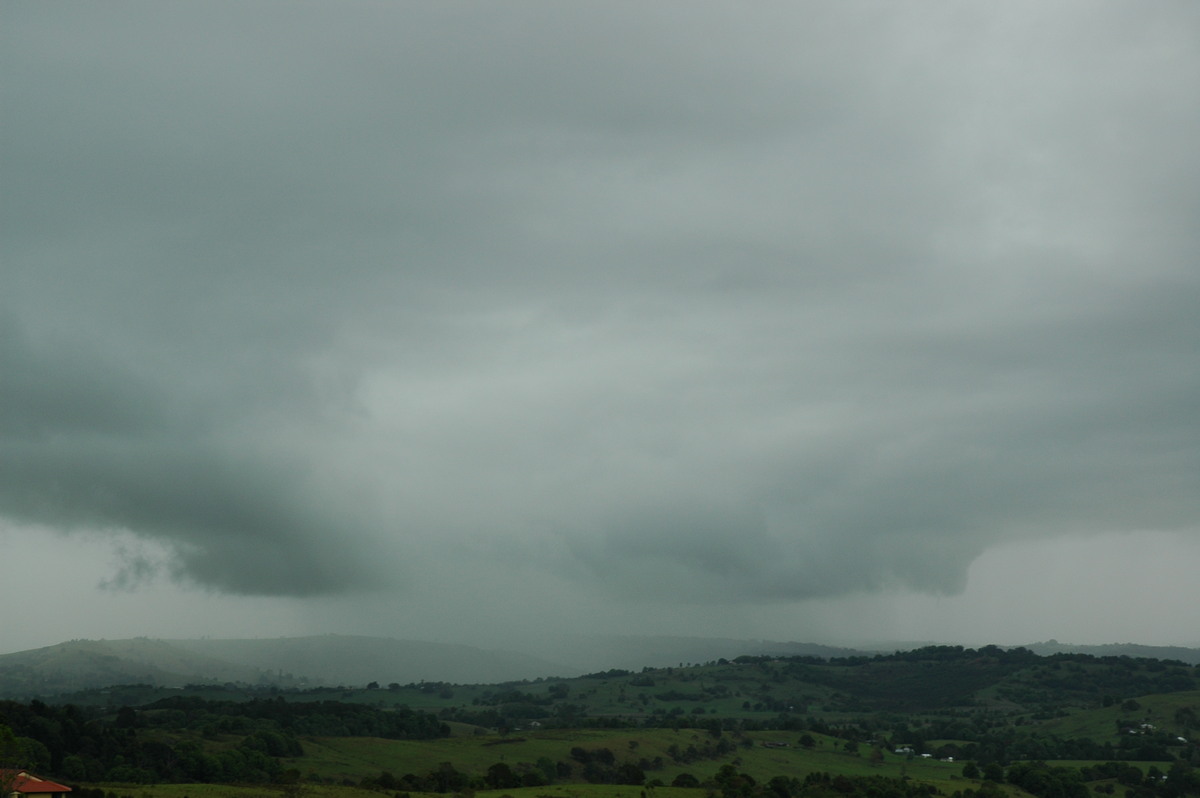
(236, 791)
(331, 791)
(351, 759)
(332, 765)
(354, 757)
(1101, 724)
(322, 791)
(954, 695)
(341, 762)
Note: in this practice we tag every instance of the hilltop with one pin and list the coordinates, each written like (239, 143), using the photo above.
(349, 660)
(288, 662)
(917, 715)
(355, 661)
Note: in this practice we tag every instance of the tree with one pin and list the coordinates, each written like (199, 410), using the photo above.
(780, 787)
(630, 773)
(19, 754)
(11, 759)
(732, 783)
(685, 780)
(447, 779)
(546, 766)
(500, 777)
(989, 789)
(126, 718)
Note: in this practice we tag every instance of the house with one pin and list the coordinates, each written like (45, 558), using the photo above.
(23, 784)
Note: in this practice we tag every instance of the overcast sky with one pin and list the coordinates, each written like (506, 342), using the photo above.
(833, 322)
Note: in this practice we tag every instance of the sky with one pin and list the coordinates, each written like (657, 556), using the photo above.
(480, 322)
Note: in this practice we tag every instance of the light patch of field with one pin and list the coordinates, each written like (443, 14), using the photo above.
(1100, 724)
(355, 757)
(352, 759)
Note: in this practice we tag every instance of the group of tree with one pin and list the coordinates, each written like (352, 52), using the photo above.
(730, 782)
(324, 718)
(1056, 781)
(189, 739)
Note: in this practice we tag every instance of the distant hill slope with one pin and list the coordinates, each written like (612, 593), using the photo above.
(355, 661)
(1188, 655)
(81, 664)
(593, 653)
(359, 660)
(320, 660)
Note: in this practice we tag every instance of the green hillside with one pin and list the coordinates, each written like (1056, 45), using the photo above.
(939, 720)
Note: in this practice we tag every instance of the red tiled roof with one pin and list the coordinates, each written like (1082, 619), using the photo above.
(29, 784)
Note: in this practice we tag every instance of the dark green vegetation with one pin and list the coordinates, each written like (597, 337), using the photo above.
(938, 720)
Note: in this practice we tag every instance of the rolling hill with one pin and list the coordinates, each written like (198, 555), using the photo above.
(355, 661)
(352, 660)
(320, 660)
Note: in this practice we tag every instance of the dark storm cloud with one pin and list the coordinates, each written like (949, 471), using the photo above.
(708, 302)
(84, 445)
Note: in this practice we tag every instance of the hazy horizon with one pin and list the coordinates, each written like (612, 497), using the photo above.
(546, 643)
(477, 323)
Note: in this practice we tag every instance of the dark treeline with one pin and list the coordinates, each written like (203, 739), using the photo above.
(131, 745)
(727, 781)
(936, 677)
(323, 718)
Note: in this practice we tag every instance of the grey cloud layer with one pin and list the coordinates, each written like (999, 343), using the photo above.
(700, 302)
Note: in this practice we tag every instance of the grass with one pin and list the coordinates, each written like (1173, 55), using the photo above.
(352, 759)
(237, 791)
(331, 791)
(1101, 724)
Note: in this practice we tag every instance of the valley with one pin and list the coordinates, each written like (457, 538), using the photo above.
(937, 720)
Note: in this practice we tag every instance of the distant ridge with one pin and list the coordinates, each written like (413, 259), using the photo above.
(591, 653)
(1188, 655)
(296, 661)
(82, 664)
(359, 660)
(350, 660)
(355, 661)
